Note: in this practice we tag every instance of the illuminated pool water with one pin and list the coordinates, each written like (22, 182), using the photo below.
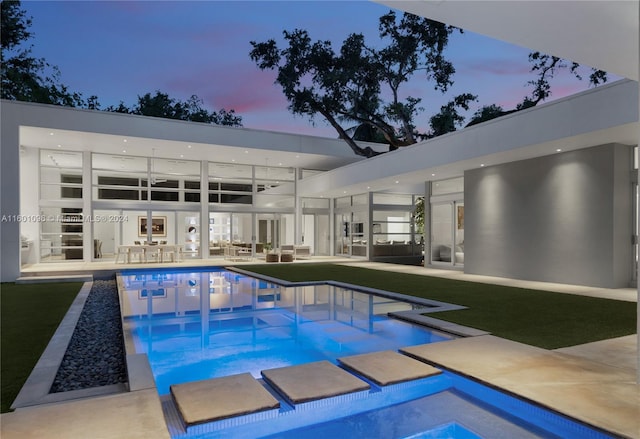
(204, 324)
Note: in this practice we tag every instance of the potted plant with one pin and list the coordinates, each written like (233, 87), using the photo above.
(270, 255)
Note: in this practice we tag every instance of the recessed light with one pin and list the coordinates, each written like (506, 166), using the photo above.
(482, 165)
(124, 140)
(124, 150)
(246, 152)
(51, 134)
(233, 160)
(433, 175)
(297, 156)
(368, 187)
(59, 146)
(181, 155)
(559, 150)
(279, 164)
(344, 192)
(188, 146)
(397, 182)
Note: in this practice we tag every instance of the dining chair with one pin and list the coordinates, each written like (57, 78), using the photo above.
(139, 252)
(123, 251)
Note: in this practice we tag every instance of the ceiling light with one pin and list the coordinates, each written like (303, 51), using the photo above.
(188, 146)
(59, 146)
(124, 150)
(181, 155)
(51, 134)
(368, 187)
(558, 150)
(279, 164)
(397, 182)
(344, 192)
(246, 152)
(433, 175)
(482, 165)
(124, 140)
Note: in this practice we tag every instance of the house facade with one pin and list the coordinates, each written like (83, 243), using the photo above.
(549, 193)
(545, 194)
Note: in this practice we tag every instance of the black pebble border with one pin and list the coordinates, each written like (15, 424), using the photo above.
(95, 355)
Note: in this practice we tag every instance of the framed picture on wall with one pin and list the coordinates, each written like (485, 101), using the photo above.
(158, 226)
(460, 217)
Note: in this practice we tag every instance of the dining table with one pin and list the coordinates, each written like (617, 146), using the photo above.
(157, 252)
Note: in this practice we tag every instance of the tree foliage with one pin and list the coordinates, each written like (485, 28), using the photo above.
(546, 67)
(161, 105)
(24, 77)
(360, 85)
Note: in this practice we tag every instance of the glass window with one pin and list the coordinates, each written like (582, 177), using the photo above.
(275, 173)
(392, 199)
(441, 232)
(343, 202)
(192, 197)
(450, 186)
(61, 235)
(315, 203)
(230, 170)
(118, 177)
(310, 172)
(360, 200)
(60, 175)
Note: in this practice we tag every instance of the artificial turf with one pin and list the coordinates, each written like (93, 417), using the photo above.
(539, 318)
(29, 316)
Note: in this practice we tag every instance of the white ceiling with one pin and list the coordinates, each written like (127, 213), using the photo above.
(116, 146)
(598, 33)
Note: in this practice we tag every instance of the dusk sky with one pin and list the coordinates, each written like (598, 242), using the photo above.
(118, 50)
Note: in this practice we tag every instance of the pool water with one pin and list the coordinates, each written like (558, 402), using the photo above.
(205, 324)
(201, 325)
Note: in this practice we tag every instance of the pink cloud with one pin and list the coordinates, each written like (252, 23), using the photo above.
(494, 66)
(242, 87)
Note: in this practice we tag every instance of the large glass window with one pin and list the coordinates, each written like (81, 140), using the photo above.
(392, 199)
(450, 186)
(230, 183)
(60, 175)
(118, 177)
(447, 233)
(315, 231)
(61, 234)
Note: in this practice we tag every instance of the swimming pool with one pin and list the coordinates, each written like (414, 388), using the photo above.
(196, 325)
(199, 325)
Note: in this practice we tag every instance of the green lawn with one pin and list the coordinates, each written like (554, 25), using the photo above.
(539, 318)
(29, 315)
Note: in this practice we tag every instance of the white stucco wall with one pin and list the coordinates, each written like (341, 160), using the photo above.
(562, 218)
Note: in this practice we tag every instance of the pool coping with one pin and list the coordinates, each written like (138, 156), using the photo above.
(415, 316)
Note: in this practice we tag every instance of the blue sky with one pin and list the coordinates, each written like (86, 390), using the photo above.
(118, 50)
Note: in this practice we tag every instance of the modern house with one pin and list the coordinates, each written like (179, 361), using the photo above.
(549, 193)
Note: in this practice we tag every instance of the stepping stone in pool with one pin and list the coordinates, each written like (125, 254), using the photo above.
(219, 398)
(311, 381)
(388, 367)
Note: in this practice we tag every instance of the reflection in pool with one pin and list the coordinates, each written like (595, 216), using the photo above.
(202, 325)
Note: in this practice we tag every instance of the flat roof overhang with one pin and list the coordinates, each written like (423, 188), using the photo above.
(607, 114)
(598, 33)
(100, 131)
